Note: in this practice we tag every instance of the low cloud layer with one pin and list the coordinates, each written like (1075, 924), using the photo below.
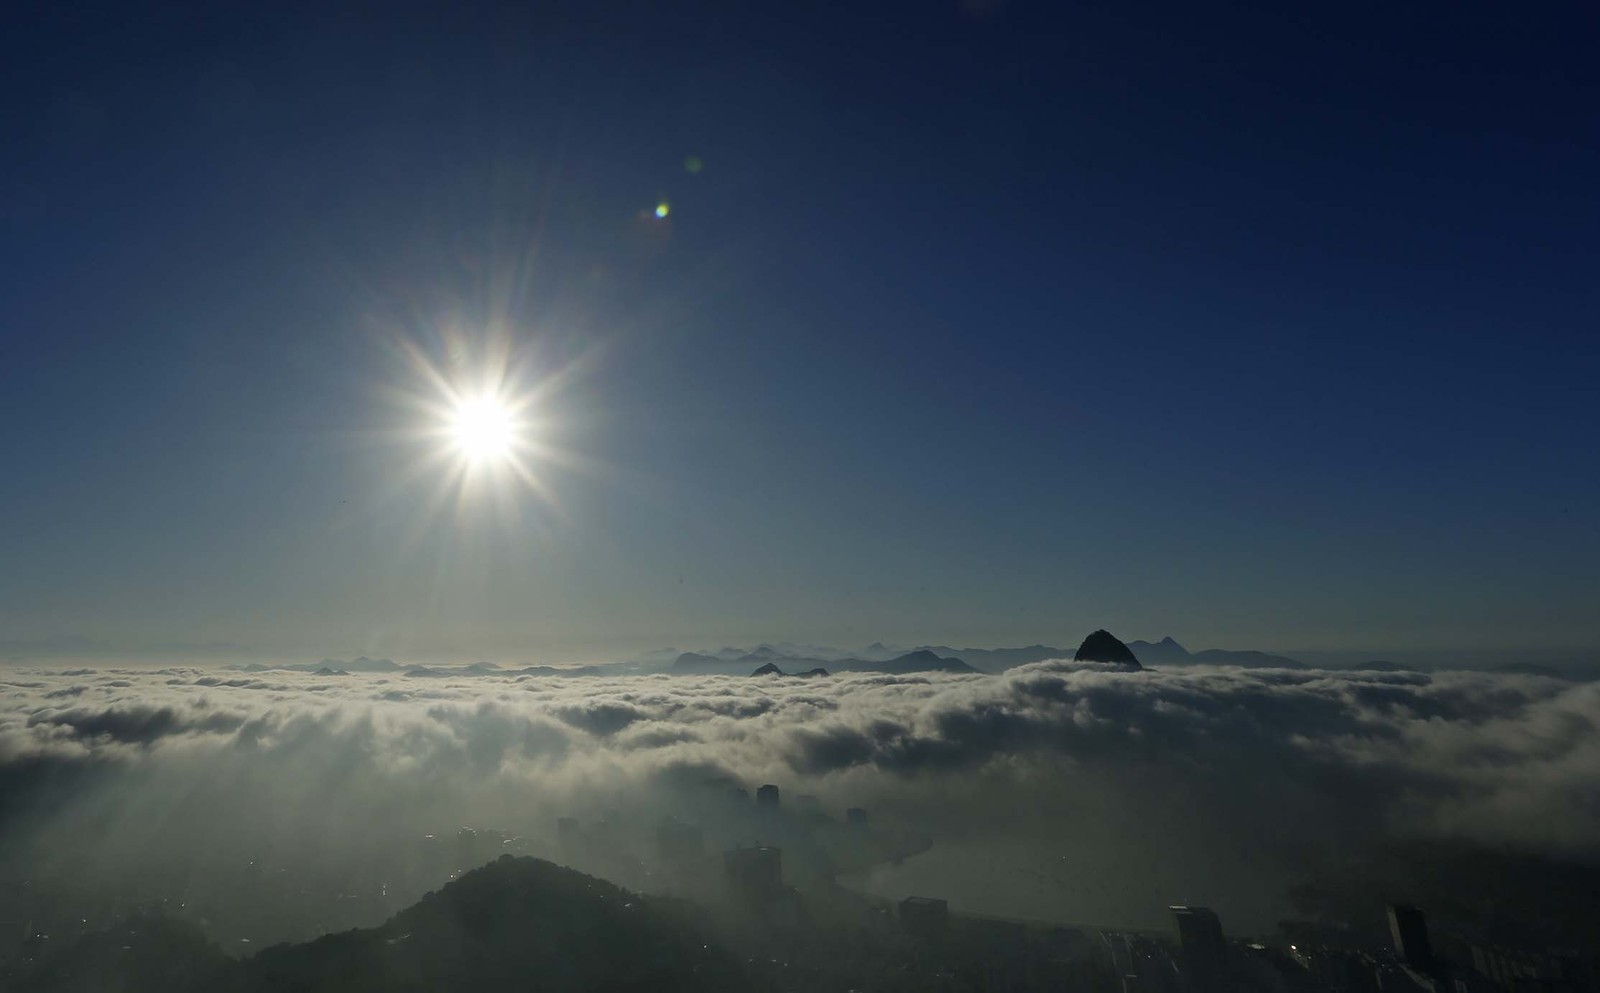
(1184, 784)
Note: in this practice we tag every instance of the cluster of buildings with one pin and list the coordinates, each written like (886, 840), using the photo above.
(704, 849)
(793, 914)
(1203, 960)
(993, 955)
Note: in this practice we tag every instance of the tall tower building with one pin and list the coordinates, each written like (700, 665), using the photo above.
(1410, 932)
(755, 874)
(1203, 949)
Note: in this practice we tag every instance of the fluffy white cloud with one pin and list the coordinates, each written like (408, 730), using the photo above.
(1177, 778)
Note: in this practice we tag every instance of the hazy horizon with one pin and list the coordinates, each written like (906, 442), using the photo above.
(69, 651)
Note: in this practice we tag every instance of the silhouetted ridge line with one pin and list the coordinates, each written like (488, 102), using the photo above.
(771, 669)
(514, 924)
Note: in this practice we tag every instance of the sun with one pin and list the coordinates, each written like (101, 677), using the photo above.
(483, 429)
(480, 422)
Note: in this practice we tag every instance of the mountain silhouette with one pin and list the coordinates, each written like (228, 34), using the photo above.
(362, 664)
(1169, 652)
(698, 664)
(999, 659)
(920, 660)
(771, 669)
(1101, 646)
(423, 671)
(1246, 659)
(514, 924)
(943, 658)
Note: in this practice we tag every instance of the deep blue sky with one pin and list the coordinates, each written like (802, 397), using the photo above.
(1261, 325)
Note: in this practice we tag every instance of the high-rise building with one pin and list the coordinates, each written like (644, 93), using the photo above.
(755, 873)
(1204, 950)
(925, 916)
(1410, 932)
(767, 797)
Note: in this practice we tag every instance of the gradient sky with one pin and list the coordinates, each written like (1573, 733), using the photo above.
(988, 323)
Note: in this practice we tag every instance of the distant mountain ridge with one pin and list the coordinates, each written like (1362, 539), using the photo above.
(999, 659)
(876, 657)
(921, 660)
(1168, 652)
(936, 658)
(362, 664)
(771, 669)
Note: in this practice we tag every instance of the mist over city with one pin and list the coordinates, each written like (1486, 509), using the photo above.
(975, 496)
(278, 804)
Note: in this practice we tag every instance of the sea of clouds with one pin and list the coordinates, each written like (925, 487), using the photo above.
(1059, 789)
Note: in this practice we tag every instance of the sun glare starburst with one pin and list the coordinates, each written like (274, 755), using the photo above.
(480, 419)
(484, 429)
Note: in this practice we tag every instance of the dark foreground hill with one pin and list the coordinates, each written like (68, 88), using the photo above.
(143, 954)
(515, 924)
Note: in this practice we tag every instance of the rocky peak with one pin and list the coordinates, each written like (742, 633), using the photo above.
(1102, 646)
